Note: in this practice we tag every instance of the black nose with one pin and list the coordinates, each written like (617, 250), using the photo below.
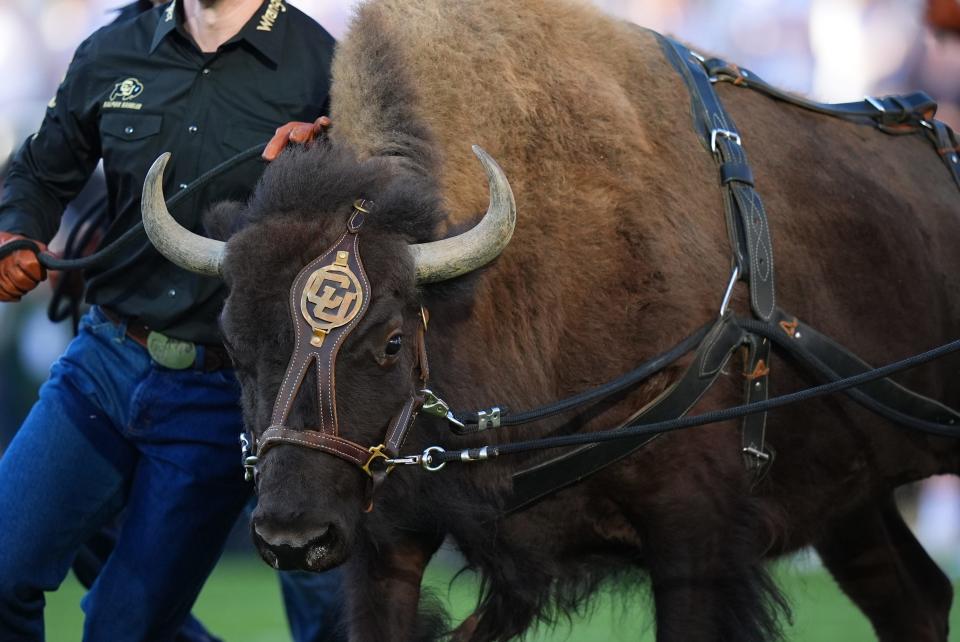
(288, 548)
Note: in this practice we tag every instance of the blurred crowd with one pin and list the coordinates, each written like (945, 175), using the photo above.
(833, 50)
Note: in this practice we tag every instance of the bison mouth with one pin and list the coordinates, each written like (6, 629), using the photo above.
(317, 552)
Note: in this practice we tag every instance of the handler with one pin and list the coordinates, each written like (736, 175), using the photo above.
(141, 413)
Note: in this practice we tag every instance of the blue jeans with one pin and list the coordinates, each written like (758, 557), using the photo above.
(314, 605)
(112, 430)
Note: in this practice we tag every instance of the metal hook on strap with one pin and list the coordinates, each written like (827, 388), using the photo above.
(729, 291)
(434, 405)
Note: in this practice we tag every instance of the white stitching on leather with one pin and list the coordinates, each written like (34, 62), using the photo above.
(317, 446)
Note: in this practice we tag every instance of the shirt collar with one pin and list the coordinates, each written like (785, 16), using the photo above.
(169, 19)
(264, 31)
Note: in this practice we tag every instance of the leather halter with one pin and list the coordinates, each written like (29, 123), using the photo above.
(328, 299)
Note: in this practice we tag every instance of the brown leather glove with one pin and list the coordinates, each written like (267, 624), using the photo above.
(20, 271)
(295, 132)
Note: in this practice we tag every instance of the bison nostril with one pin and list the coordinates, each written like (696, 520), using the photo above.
(271, 558)
(319, 549)
(292, 548)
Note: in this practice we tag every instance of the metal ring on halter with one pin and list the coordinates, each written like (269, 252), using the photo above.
(729, 291)
(426, 460)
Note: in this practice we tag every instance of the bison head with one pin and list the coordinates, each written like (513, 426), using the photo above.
(311, 501)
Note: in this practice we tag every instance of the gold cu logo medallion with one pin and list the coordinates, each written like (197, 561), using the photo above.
(331, 298)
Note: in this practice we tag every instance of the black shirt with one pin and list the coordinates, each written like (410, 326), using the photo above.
(138, 88)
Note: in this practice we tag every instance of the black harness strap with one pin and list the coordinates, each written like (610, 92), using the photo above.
(886, 111)
(533, 483)
(905, 114)
(828, 359)
(948, 147)
(749, 234)
(757, 455)
(746, 216)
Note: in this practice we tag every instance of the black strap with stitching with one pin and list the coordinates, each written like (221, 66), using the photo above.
(746, 216)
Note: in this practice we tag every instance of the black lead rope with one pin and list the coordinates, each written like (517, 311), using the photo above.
(648, 369)
(113, 250)
(435, 457)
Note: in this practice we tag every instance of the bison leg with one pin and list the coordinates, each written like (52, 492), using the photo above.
(708, 578)
(881, 566)
(383, 594)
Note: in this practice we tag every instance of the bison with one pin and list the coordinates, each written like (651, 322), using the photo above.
(619, 251)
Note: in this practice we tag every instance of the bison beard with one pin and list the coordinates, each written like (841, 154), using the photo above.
(620, 251)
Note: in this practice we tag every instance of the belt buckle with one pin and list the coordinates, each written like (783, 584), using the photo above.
(171, 353)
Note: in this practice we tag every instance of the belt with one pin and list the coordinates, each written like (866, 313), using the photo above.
(209, 358)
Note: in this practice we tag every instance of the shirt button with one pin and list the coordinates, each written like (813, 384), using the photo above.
(183, 186)
(128, 129)
(171, 293)
(206, 71)
(192, 129)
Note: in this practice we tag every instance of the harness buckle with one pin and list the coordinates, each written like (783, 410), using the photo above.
(376, 452)
(723, 133)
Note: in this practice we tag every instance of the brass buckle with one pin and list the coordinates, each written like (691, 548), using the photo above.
(376, 452)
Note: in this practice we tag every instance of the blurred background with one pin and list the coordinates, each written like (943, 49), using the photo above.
(833, 50)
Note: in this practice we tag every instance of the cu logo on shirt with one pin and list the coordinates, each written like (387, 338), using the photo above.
(126, 89)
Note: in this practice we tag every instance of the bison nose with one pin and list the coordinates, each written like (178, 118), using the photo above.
(302, 548)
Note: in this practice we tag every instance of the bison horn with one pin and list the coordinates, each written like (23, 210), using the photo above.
(181, 246)
(457, 255)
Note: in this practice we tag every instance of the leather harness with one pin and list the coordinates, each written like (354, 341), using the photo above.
(328, 299)
(752, 262)
(336, 280)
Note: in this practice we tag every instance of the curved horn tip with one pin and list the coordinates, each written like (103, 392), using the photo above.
(181, 246)
(162, 160)
(484, 157)
(452, 257)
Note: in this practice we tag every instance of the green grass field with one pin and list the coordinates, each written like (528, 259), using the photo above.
(241, 603)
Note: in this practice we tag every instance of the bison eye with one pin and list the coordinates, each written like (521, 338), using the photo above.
(394, 344)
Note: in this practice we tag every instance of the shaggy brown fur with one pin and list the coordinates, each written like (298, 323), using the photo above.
(620, 251)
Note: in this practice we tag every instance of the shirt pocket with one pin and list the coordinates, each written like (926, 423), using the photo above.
(130, 126)
(130, 143)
